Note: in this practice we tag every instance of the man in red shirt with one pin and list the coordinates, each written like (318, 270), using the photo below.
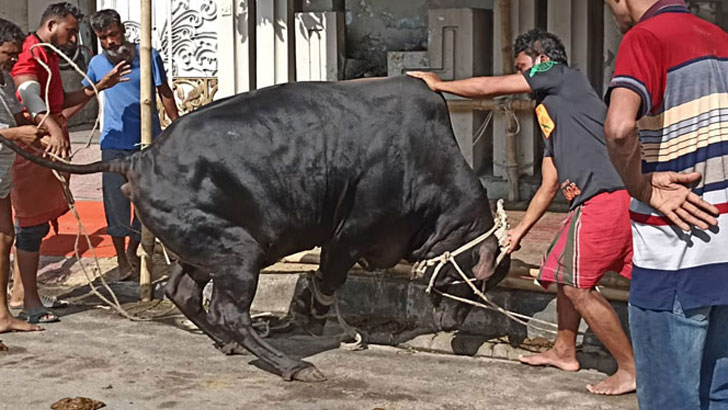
(37, 196)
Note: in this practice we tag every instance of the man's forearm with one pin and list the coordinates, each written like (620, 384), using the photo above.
(624, 150)
(170, 107)
(77, 98)
(537, 207)
(483, 87)
(50, 124)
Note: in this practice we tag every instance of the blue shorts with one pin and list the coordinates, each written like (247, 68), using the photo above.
(29, 238)
(681, 357)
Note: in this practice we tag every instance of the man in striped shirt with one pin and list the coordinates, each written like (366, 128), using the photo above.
(671, 82)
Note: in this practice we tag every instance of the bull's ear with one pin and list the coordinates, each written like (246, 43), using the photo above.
(487, 251)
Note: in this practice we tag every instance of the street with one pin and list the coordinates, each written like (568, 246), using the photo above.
(161, 365)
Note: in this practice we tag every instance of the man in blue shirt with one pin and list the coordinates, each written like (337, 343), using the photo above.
(121, 134)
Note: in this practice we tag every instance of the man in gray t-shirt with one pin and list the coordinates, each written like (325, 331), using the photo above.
(596, 236)
(11, 41)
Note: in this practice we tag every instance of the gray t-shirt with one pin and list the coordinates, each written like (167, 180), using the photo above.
(9, 106)
(571, 116)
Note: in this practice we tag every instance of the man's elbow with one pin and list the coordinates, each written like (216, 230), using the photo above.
(617, 130)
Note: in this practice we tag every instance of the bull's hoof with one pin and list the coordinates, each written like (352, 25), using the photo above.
(231, 348)
(309, 374)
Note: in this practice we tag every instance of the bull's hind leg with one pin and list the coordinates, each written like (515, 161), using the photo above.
(184, 289)
(236, 280)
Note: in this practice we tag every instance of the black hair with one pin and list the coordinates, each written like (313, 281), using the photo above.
(10, 33)
(536, 42)
(104, 19)
(61, 11)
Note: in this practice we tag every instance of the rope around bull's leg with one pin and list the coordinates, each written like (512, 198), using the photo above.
(82, 230)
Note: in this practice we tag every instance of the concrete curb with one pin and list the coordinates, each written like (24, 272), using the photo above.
(395, 311)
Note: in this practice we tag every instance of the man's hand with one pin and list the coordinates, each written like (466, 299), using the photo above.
(115, 76)
(514, 238)
(28, 134)
(431, 79)
(669, 193)
(56, 144)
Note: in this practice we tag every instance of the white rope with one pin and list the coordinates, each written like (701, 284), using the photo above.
(326, 300)
(499, 229)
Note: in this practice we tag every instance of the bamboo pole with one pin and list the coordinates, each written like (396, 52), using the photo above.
(504, 12)
(146, 98)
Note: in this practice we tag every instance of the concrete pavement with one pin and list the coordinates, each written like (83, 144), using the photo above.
(163, 365)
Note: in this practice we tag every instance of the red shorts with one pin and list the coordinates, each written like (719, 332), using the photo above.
(595, 238)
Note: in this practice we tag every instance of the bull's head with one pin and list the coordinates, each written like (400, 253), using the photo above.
(479, 265)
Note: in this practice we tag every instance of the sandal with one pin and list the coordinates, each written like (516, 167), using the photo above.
(39, 314)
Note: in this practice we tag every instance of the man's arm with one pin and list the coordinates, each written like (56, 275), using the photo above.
(24, 134)
(29, 90)
(539, 204)
(74, 101)
(476, 87)
(667, 192)
(167, 97)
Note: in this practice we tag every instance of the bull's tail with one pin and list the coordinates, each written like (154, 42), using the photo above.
(119, 166)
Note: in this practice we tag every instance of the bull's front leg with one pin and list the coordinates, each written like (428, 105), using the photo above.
(236, 280)
(184, 289)
(313, 301)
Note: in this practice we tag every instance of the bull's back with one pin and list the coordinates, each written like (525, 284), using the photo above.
(278, 160)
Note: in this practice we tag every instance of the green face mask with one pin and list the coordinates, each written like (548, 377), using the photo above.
(541, 67)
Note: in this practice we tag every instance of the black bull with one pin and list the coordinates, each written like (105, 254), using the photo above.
(368, 170)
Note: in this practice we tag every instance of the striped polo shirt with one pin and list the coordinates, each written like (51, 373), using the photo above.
(678, 65)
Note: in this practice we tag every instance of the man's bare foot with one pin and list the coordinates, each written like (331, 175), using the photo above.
(552, 358)
(12, 324)
(621, 382)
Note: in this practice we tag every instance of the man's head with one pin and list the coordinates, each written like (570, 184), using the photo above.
(629, 12)
(59, 24)
(537, 46)
(110, 31)
(11, 43)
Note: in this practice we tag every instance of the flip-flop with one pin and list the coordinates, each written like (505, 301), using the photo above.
(38, 314)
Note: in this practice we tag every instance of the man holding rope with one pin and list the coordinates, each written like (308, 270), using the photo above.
(38, 196)
(11, 114)
(596, 236)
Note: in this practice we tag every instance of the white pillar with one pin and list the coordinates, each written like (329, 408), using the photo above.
(236, 47)
(275, 59)
(319, 46)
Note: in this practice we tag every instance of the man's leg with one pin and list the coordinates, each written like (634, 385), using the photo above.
(668, 350)
(563, 354)
(7, 322)
(714, 371)
(118, 210)
(27, 255)
(604, 322)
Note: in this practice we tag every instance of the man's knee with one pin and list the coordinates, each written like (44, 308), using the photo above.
(29, 238)
(576, 295)
(6, 241)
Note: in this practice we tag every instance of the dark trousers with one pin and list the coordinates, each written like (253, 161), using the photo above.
(117, 206)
